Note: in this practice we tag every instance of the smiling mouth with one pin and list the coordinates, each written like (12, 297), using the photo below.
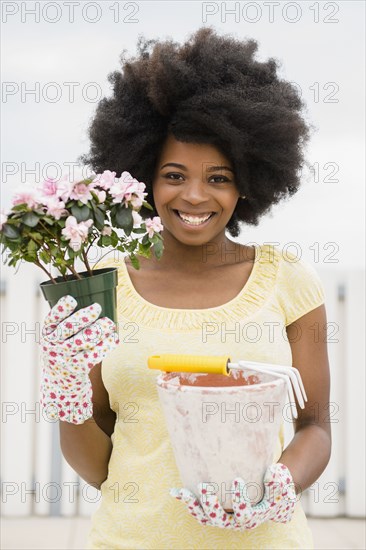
(191, 219)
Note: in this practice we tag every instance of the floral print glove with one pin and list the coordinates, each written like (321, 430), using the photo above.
(71, 345)
(277, 504)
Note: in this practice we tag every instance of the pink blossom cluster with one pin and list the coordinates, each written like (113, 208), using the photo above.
(53, 196)
(153, 225)
(128, 190)
(55, 193)
(76, 233)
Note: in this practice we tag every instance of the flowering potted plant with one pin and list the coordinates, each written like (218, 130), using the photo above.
(56, 224)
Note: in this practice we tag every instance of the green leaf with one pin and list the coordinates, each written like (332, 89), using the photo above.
(62, 269)
(87, 181)
(30, 219)
(134, 261)
(44, 257)
(114, 238)
(99, 218)
(145, 239)
(124, 219)
(106, 240)
(10, 232)
(144, 247)
(158, 249)
(20, 207)
(139, 230)
(144, 250)
(32, 247)
(36, 236)
(30, 257)
(58, 262)
(81, 213)
(54, 249)
(13, 262)
(131, 247)
(72, 253)
(147, 205)
(155, 238)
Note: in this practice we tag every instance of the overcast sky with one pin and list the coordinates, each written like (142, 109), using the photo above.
(48, 45)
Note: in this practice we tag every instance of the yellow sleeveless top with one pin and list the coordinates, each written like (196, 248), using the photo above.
(136, 510)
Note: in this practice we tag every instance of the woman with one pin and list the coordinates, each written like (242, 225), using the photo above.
(217, 137)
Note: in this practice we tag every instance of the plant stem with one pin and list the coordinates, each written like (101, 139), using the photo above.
(45, 270)
(85, 259)
(40, 244)
(74, 272)
(90, 245)
(48, 231)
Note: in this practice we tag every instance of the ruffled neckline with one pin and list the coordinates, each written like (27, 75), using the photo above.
(250, 298)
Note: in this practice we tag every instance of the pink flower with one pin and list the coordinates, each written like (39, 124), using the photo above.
(137, 219)
(26, 194)
(55, 188)
(64, 188)
(105, 180)
(49, 187)
(107, 231)
(81, 192)
(128, 189)
(75, 232)
(102, 195)
(3, 218)
(55, 207)
(153, 225)
(139, 196)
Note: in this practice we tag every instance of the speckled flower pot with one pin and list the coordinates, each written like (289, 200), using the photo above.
(223, 427)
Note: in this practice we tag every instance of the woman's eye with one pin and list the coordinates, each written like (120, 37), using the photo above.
(169, 176)
(176, 177)
(222, 178)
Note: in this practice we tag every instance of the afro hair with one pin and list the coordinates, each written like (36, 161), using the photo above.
(208, 90)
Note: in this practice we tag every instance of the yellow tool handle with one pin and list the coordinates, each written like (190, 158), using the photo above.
(190, 363)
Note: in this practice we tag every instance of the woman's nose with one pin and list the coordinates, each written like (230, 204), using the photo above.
(195, 192)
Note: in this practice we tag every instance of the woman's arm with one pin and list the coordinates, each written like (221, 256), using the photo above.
(87, 447)
(309, 451)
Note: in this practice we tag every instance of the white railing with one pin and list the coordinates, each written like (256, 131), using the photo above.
(37, 480)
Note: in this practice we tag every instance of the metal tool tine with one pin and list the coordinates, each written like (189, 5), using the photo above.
(296, 373)
(289, 371)
(247, 365)
(244, 364)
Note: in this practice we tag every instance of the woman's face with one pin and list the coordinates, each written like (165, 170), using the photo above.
(194, 191)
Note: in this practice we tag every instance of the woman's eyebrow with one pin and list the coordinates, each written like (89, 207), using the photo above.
(209, 168)
(214, 168)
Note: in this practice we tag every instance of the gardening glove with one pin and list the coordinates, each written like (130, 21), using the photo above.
(277, 504)
(71, 345)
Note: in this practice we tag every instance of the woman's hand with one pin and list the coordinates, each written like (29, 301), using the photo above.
(71, 346)
(276, 505)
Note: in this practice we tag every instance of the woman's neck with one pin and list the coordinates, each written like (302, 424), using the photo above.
(182, 257)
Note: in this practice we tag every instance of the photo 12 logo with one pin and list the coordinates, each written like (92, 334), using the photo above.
(270, 12)
(70, 12)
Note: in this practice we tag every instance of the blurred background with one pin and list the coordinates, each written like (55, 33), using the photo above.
(55, 60)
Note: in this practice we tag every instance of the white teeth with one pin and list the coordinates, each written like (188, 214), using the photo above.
(193, 220)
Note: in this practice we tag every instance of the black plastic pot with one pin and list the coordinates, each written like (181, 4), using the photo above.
(100, 287)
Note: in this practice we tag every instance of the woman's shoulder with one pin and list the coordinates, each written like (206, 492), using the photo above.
(293, 267)
(299, 288)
